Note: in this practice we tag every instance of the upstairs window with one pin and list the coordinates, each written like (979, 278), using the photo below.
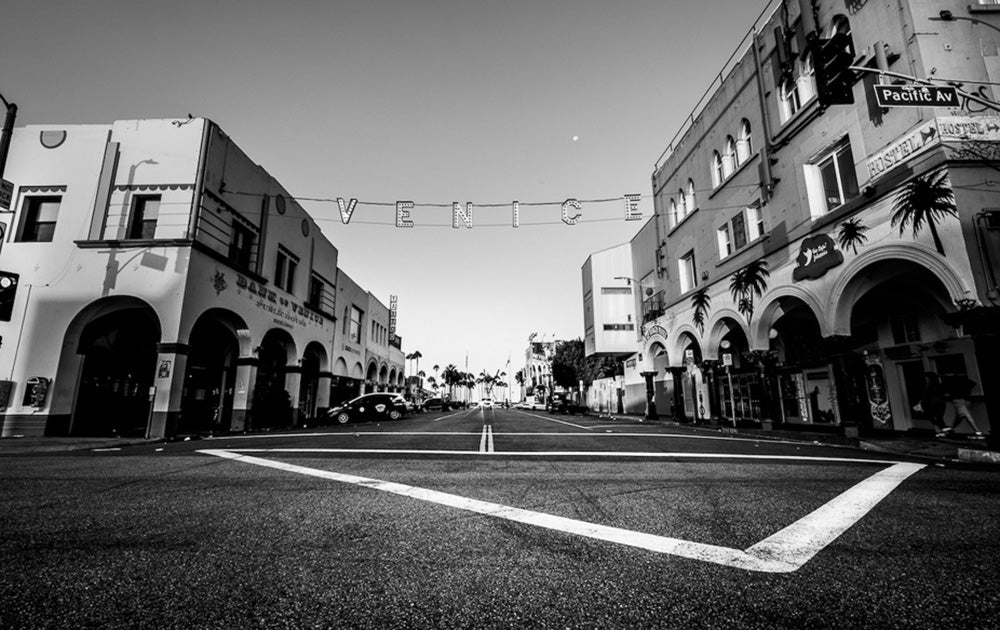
(798, 89)
(284, 270)
(142, 220)
(315, 298)
(687, 272)
(739, 231)
(717, 175)
(38, 219)
(729, 161)
(831, 179)
(725, 242)
(689, 200)
(744, 145)
(755, 222)
(354, 332)
(673, 216)
(241, 243)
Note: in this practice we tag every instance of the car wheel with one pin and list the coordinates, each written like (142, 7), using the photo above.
(395, 415)
(343, 417)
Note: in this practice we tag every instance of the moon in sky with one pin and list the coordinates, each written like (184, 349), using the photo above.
(575, 138)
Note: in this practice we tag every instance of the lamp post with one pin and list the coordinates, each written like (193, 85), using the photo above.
(948, 16)
(649, 374)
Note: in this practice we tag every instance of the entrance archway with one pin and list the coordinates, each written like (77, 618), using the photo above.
(207, 398)
(313, 362)
(119, 348)
(804, 386)
(271, 399)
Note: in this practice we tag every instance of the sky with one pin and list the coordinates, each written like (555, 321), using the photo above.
(434, 102)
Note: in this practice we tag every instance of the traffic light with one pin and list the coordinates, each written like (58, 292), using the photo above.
(832, 61)
(8, 287)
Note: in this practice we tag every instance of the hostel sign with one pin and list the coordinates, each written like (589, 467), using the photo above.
(915, 96)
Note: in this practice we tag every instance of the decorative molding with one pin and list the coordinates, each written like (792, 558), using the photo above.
(43, 189)
(152, 187)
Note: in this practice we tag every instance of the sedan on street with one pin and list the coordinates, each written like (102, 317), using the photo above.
(375, 406)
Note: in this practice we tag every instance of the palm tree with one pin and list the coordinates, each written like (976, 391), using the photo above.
(748, 283)
(852, 234)
(926, 198)
(700, 302)
(416, 355)
(451, 377)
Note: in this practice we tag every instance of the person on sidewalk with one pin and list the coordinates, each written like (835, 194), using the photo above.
(958, 389)
(932, 403)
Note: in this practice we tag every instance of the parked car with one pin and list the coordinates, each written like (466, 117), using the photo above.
(374, 406)
(433, 404)
(486, 403)
(412, 406)
(561, 403)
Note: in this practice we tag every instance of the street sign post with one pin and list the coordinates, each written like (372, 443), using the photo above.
(915, 96)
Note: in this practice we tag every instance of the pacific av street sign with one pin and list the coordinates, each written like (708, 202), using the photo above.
(915, 96)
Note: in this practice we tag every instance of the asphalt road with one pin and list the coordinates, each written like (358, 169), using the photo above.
(494, 519)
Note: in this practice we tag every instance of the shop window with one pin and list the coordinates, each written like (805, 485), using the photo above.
(38, 219)
(951, 364)
(831, 180)
(905, 329)
(687, 271)
(142, 220)
(725, 242)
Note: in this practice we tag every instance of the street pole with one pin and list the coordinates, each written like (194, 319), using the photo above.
(7, 133)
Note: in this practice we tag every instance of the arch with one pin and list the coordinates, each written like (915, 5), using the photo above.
(770, 310)
(383, 373)
(107, 366)
(689, 200)
(371, 374)
(850, 285)
(723, 321)
(340, 367)
(729, 159)
(676, 343)
(271, 398)
(232, 322)
(216, 339)
(392, 376)
(717, 171)
(314, 361)
(357, 372)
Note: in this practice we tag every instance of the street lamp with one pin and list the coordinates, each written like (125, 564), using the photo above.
(948, 16)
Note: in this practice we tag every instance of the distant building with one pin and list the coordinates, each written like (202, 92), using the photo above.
(164, 283)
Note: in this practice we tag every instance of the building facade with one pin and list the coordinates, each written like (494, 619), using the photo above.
(800, 275)
(165, 284)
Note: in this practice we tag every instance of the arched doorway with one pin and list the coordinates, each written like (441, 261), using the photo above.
(371, 377)
(689, 381)
(207, 398)
(898, 312)
(313, 362)
(119, 349)
(737, 379)
(804, 387)
(271, 399)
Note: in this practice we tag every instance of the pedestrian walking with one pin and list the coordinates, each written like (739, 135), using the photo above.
(932, 403)
(958, 389)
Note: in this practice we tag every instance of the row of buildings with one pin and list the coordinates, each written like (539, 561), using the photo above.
(156, 281)
(813, 253)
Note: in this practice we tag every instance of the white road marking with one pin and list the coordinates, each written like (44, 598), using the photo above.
(482, 441)
(783, 552)
(570, 424)
(106, 450)
(451, 415)
(489, 439)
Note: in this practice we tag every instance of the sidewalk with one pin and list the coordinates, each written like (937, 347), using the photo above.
(929, 449)
(27, 445)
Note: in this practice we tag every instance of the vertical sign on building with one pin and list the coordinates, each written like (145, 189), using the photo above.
(392, 318)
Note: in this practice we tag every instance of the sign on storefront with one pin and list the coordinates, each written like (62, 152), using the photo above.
(817, 255)
(6, 194)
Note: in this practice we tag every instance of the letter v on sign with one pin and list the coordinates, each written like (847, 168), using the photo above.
(346, 212)
(785, 551)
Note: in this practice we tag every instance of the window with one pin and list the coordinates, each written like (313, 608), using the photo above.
(725, 243)
(619, 326)
(616, 290)
(241, 245)
(673, 216)
(798, 89)
(687, 272)
(729, 161)
(38, 219)
(355, 331)
(717, 175)
(284, 270)
(689, 201)
(744, 146)
(831, 180)
(315, 298)
(905, 329)
(739, 231)
(142, 222)
(755, 222)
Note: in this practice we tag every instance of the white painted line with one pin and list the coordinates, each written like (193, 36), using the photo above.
(489, 439)
(482, 441)
(570, 424)
(783, 552)
(631, 455)
(451, 415)
(106, 450)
